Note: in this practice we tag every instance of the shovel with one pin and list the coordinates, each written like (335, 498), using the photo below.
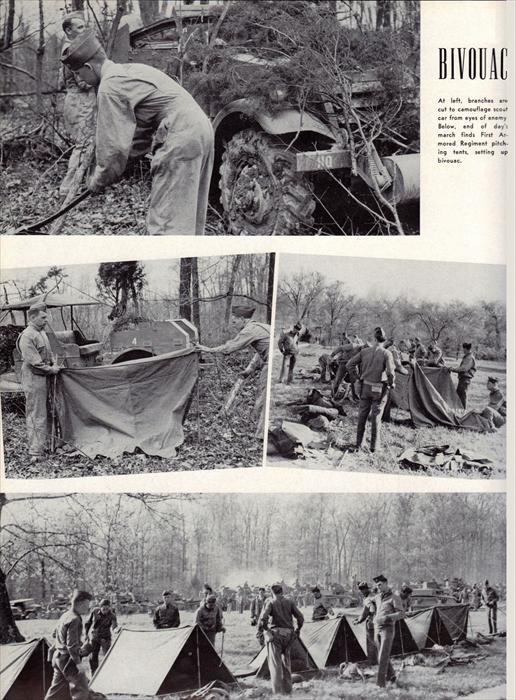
(23, 230)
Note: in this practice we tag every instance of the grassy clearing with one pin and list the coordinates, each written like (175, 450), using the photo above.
(396, 436)
(416, 682)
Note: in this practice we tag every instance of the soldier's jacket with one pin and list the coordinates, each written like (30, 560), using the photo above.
(288, 343)
(68, 634)
(166, 616)
(281, 610)
(396, 356)
(98, 625)
(497, 402)
(254, 334)
(320, 611)
(490, 597)
(209, 620)
(35, 350)
(467, 367)
(376, 365)
(345, 352)
(434, 358)
(368, 611)
(257, 606)
(389, 609)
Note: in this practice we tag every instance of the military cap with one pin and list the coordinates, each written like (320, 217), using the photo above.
(363, 585)
(466, 346)
(407, 590)
(379, 579)
(81, 50)
(72, 15)
(166, 593)
(242, 311)
(104, 602)
(79, 596)
(277, 588)
(316, 589)
(493, 380)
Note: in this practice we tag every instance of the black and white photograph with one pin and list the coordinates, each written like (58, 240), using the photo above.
(135, 366)
(216, 117)
(210, 596)
(394, 366)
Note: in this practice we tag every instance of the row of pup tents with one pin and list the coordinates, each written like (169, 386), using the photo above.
(160, 662)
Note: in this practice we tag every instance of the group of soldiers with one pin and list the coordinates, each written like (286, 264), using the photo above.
(39, 365)
(275, 614)
(369, 371)
(130, 110)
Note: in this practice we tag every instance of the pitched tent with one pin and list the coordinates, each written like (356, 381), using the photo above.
(427, 628)
(301, 660)
(332, 642)
(159, 662)
(455, 618)
(24, 670)
(403, 643)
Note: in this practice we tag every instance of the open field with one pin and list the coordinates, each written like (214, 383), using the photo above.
(211, 441)
(416, 682)
(396, 436)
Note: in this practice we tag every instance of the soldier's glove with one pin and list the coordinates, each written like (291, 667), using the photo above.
(85, 650)
(268, 636)
(253, 622)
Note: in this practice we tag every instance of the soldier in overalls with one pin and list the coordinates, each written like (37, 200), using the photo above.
(367, 616)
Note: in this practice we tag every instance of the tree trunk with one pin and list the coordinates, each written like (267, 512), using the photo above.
(196, 311)
(9, 632)
(270, 286)
(149, 11)
(40, 53)
(231, 290)
(185, 293)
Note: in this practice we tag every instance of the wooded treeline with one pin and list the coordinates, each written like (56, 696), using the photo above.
(143, 543)
(201, 290)
(331, 308)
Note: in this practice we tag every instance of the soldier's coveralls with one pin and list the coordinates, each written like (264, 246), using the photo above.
(496, 410)
(367, 616)
(166, 616)
(36, 355)
(257, 604)
(79, 118)
(466, 372)
(256, 335)
(389, 609)
(210, 621)
(139, 105)
(281, 611)
(377, 375)
(98, 627)
(289, 348)
(65, 659)
(490, 598)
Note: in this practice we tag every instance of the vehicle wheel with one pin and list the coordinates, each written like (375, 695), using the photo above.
(260, 191)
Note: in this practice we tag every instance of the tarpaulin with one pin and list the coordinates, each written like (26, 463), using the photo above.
(439, 378)
(428, 407)
(112, 409)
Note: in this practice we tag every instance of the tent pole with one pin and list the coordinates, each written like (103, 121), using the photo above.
(198, 660)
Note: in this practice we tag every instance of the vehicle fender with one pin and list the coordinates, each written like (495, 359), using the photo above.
(283, 122)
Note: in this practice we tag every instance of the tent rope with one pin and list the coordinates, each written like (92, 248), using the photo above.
(198, 658)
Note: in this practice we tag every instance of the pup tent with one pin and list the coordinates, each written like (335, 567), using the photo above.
(428, 628)
(332, 642)
(302, 661)
(430, 396)
(455, 618)
(402, 645)
(159, 662)
(25, 673)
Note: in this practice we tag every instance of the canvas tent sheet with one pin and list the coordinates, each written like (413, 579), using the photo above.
(158, 662)
(332, 642)
(439, 378)
(301, 660)
(455, 618)
(112, 409)
(428, 629)
(404, 643)
(24, 670)
(432, 400)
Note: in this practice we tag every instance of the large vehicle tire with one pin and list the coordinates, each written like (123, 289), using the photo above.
(260, 191)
